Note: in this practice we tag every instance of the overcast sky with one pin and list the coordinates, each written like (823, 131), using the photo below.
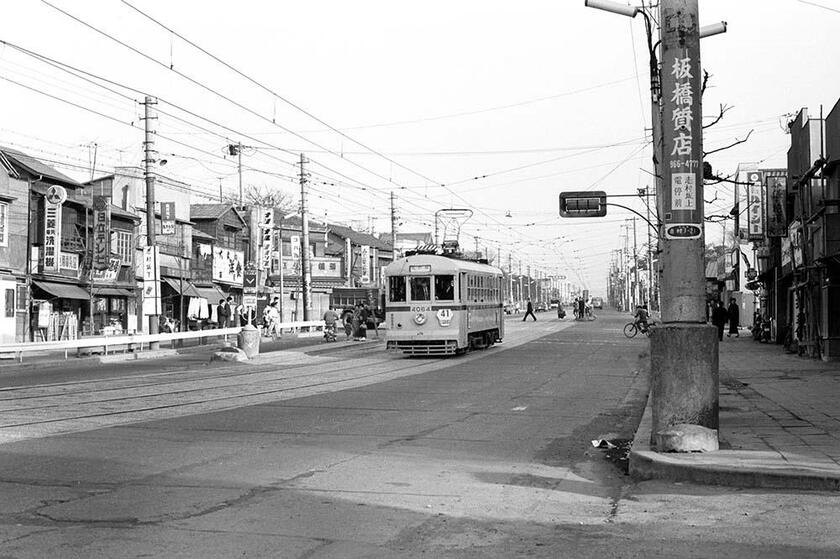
(494, 106)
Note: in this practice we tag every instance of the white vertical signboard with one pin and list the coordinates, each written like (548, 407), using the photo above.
(151, 281)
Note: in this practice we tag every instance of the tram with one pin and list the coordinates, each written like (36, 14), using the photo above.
(442, 305)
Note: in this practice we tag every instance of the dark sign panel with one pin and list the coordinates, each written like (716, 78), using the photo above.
(776, 191)
(583, 204)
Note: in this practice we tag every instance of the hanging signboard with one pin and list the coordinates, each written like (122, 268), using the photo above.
(151, 281)
(54, 198)
(681, 127)
(101, 232)
(110, 273)
(294, 240)
(266, 229)
(776, 192)
(167, 218)
(228, 265)
(755, 206)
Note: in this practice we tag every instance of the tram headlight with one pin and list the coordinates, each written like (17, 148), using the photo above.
(420, 318)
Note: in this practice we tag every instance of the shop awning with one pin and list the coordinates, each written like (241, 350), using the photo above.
(212, 294)
(175, 283)
(63, 290)
(112, 292)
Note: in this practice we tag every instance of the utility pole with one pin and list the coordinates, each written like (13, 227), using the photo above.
(239, 154)
(649, 253)
(149, 160)
(393, 229)
(520, 282)
(510, 277)
(636, 291)
(305, 272)
(529, 280)
(684, 350)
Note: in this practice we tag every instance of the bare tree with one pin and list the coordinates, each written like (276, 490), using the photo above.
(265, 196)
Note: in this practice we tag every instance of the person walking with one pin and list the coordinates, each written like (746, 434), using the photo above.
(272, 318)
(719, 317)
(224, 313)
(732, 314)
(529, 309)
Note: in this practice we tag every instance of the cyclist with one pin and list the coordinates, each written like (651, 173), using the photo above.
(640, 318)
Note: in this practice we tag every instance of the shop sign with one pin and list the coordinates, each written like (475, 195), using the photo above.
(266, 229)
(101, 232)
(681, 130)
(151, 281)
(54, 198)
(364, 260)
(795, 234)
(167, 218)
(228, 265)
(776, 192)
(68, 261)
(755, 206)
(110, 273)
(294, 240)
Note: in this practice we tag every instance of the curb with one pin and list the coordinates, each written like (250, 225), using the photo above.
(734, 468)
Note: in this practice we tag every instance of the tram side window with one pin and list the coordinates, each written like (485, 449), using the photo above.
(421, 288)
(444, 288)
(396, 289)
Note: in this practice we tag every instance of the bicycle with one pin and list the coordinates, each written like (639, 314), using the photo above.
(631, 329)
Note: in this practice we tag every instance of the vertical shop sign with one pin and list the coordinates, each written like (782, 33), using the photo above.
(266, 228)
(151, 281)
(167, 218)
(755, 206)
(776, 191)
(364, 262)
(681, 129)
(295, 245)
(54, 198)
(101, 232)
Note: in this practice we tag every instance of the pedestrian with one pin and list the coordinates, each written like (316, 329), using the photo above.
(348, 324)
(364, 317)
(223, 313)
(529, 309)
(719, 317)
(732, 313)
(581, 308)
(272, 318)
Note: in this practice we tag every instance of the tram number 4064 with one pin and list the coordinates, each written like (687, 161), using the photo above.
(683, 231)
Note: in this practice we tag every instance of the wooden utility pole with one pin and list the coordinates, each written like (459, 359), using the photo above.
(393, 229)
(305, 272)
(149, 160)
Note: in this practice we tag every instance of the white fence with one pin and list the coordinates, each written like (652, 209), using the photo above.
(136, 342)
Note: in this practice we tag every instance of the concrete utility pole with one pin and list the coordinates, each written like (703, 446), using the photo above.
(305, 272)
(684, 351)
(529, 280)
(239, 154)
(510, 277)
(393, 229)
(149, 160)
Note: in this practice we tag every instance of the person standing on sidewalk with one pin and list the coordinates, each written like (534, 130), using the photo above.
(719, 317)
(732, 313)
(529, 309)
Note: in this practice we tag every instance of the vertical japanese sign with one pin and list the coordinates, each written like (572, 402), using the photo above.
(364, 263)
(151, 281)
(682, 151)
(776, 191)
(755, 206)
(53, 199)
(295, 245)
(167, 218)
(101, 232)
(266, 228)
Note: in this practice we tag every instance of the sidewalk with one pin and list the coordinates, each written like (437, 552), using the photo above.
(779, 424)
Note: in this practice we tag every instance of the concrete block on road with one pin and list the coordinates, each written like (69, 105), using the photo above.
(686, 438)
(233, 354)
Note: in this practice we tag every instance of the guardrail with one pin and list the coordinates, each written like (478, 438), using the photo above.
(135, 342)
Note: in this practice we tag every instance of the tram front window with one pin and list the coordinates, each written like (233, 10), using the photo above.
(396, 289)
(421, 288)
(444, 288)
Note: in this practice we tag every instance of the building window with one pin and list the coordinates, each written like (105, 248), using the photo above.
(121, 245)
(4, 224)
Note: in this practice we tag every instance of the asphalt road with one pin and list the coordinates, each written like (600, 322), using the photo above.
(359, 453)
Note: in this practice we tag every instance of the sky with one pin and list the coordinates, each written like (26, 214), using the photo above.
(492, 106)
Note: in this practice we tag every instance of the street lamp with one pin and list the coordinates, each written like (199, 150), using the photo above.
(613, 7)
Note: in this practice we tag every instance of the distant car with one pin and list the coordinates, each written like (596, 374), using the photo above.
(541, 307)
(597, 303)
